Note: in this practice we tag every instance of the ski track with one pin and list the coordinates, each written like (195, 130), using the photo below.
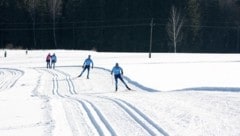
(9, 77)
(145, 122)
(69, 81)
(55, 93)
(47, 114)
(98, 121)
(147, 119)
(82, 114)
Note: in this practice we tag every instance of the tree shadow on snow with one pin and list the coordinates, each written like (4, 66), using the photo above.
(212, 89)
(138, 85)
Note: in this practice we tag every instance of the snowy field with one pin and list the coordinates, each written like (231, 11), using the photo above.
(173, 95)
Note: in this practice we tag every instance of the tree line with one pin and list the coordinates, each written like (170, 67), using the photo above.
(121, 25)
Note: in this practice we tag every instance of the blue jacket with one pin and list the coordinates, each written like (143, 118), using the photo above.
(88, 62)
(116, 70)
(54, 58)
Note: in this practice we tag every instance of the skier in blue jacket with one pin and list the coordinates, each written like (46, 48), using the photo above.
(118, 72)
(53, 60)
(86, 65)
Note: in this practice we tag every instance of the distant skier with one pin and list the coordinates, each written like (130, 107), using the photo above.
(118, 72)
(48, 60)
(53, 60)
(5, 54)
(86, 65)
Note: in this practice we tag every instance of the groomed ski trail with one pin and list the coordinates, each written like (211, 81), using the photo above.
(8, 77)
(84, 112)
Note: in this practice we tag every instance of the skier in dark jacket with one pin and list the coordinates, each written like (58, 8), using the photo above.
(86, 65)
(48, 60)
(118, 72)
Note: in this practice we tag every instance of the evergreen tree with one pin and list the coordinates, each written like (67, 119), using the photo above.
(194, 17)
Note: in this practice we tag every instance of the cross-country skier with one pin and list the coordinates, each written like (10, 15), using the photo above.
(5, 54)
(48, 60)
(86, 65)
(118, 72)
(53, 60)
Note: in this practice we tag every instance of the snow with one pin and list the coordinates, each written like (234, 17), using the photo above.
(173, 94)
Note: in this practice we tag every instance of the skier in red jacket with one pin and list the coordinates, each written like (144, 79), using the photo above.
(48, 60)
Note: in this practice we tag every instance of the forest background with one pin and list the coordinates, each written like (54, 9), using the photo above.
(211, 26)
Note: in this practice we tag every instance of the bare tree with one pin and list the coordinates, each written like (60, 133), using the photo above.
(55, 7)
(174, 27)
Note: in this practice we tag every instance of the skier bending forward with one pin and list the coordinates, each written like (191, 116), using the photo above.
(118, 72)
